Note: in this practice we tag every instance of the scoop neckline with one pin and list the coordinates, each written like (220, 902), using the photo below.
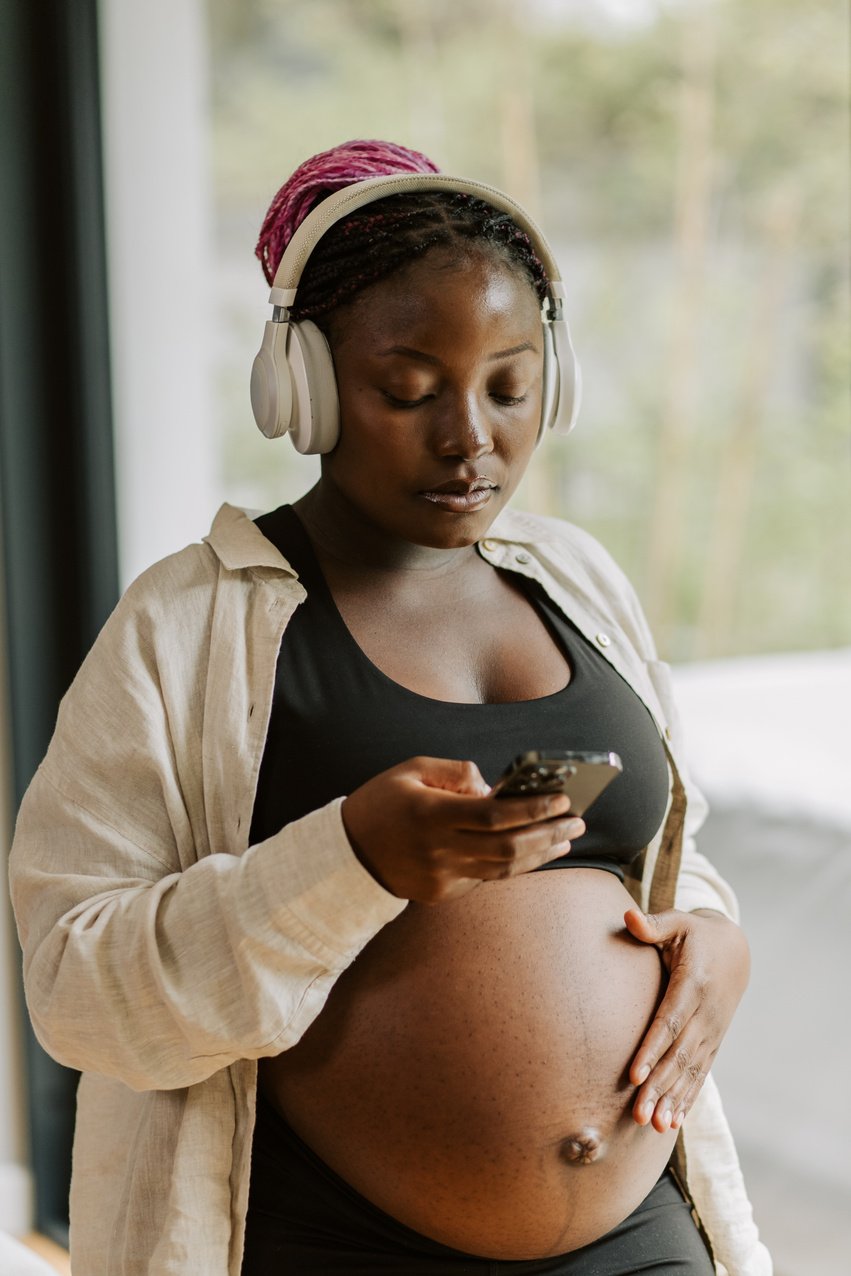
(376, 670)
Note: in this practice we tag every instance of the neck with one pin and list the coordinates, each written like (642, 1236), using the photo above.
(340, 533)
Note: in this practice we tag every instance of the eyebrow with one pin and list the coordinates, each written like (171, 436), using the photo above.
(411, 353)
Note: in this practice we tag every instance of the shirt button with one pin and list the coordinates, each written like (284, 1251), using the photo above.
(489, 546)
(523, 557)
(604, 640)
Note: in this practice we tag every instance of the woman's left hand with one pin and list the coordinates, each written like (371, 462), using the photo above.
(708, 964)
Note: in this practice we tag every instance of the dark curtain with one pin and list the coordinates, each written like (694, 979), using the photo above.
(56, 456)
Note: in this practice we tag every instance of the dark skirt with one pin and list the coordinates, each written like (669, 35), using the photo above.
(304, 1220)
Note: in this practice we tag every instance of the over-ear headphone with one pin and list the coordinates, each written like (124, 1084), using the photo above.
(293, 386)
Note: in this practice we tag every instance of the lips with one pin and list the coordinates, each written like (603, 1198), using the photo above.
(462, 487)
(461, 495)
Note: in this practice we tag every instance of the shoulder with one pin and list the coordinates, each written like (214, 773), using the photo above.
(164, 616)
(557, 539)
(164, 608)
(578, 568)
(193, 569)
(183, 586)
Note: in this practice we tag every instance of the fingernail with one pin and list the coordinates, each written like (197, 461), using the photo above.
(678, 1120)
(666, 1118)
(643, 1073)
(645, 1111)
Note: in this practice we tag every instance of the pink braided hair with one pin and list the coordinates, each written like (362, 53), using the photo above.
(320, 175)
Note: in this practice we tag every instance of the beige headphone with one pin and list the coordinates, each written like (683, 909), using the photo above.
(293, 386)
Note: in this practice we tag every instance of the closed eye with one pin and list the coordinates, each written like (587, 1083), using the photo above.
(505, 400)
(405, 403)
(510, 400)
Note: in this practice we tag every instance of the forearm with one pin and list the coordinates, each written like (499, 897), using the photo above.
(161, 978)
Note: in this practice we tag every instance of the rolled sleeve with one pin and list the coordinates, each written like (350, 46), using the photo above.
(161, 978)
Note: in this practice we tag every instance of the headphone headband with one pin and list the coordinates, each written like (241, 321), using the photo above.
(342, 202)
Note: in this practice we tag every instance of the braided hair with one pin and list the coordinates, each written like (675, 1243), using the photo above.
(385, 236)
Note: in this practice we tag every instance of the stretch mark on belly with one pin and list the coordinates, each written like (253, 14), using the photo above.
(584, 1147)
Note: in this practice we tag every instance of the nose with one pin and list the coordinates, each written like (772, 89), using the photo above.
(464, 430)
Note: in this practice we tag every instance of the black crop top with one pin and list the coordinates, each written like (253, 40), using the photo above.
(337, 721)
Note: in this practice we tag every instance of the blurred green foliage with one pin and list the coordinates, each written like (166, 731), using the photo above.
(692, 171)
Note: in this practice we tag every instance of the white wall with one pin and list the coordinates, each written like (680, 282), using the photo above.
(158, 215)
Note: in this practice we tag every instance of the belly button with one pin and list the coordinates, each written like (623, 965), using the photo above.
(583, 1148)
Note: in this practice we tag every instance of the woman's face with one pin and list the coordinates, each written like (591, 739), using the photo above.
(439, 370)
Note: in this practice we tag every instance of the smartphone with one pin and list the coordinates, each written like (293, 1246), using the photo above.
(582, 776)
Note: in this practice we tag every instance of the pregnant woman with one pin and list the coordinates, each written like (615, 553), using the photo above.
(263, 831)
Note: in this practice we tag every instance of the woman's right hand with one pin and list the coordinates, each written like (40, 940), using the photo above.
(428, 831)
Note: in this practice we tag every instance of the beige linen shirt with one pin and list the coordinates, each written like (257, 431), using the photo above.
(163, 956)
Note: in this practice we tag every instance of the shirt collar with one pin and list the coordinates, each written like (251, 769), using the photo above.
(239, 544)
(515, 527)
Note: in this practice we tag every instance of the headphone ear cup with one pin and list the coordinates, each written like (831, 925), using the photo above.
(271, 386)
(315, 423)
(293, 387)
(568, 378)
(549, 388)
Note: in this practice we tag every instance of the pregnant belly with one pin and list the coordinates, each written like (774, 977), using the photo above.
(468, 1074)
